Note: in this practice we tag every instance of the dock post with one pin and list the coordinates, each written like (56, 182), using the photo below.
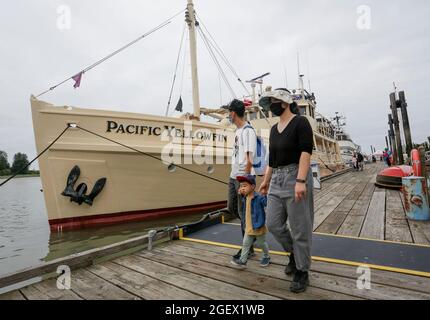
(386, 142)
(405, 118)
(392, 136)
(390, 146)
(396, 128)
(151, 235)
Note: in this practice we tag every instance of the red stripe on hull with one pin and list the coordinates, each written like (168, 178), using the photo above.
(132, 216)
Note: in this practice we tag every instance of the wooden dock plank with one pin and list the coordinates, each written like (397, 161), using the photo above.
(397, 227)
(139, 284)
(218, 267)
(14, 295)
(410, 282)
(324, 211)
(47, 290)
(203, 286)
(91, 287)
(374, 223)
(352, 224)
(319, 280)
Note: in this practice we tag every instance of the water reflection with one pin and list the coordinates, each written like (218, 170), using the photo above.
(25, 237)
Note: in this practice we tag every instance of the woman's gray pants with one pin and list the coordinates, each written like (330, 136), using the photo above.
(281, 206)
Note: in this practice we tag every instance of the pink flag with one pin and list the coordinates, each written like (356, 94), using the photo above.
(77, 78)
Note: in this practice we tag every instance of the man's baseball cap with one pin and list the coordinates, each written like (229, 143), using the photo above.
(247, 178)
(236, 106)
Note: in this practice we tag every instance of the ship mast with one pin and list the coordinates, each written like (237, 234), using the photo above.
(190, 18)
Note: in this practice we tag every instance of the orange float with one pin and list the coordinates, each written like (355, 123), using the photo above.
(416, 163)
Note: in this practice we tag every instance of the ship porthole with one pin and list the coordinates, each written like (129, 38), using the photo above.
(211, 169)
(171, 167)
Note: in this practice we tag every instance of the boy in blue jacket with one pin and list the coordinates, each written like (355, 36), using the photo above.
(255, 221)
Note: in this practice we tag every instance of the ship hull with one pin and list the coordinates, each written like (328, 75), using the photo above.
(138, 186)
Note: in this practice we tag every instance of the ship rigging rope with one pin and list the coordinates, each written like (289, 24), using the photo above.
(176, 70)
(215, 60)
(37, 157)
(222, 55)
(160, 26)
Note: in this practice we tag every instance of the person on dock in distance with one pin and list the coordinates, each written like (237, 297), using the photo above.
(289, 184)
(387, 157)
(360, 161)
(245, 144)
(254, 206)
(354, 161)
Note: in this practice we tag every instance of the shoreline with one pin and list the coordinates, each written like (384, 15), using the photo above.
(22, 176)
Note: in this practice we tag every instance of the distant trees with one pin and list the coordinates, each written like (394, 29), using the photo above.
(20, 160)
(4, 164)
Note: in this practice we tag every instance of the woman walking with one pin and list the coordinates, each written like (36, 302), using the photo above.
(289, 184)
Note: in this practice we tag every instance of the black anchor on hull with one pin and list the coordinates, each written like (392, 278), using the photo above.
(79, 195)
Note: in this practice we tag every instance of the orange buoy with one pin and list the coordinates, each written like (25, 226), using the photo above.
(416, 163)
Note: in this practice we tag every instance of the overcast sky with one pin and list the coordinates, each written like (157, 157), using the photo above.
(351, 68)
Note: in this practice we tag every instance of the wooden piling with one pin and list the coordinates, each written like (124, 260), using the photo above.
(392, 137)
(405, 118)
(400, 159)
(390, 146)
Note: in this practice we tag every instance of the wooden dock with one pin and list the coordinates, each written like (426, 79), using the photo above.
(351, 205)
(348, 205)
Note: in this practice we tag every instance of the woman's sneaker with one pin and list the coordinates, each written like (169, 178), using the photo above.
(291, 266)
(265, 262)
(300, 281)
(237, 263)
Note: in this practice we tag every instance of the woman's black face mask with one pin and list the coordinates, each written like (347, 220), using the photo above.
(277, 109)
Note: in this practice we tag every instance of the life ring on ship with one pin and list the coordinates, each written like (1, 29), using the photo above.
(416, 163)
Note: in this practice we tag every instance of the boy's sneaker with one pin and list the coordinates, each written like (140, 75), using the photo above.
(300, 281)
(236, 262)
(251, 254)
(265, 262)
(238, 254)
(291, 266)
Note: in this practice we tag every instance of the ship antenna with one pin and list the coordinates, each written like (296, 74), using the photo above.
(309, 72)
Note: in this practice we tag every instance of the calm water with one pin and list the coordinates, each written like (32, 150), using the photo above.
(25, 237)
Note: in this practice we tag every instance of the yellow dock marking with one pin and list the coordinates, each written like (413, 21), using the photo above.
(315, 258)
(357, 238)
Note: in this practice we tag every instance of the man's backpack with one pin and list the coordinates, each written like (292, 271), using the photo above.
(259, 160)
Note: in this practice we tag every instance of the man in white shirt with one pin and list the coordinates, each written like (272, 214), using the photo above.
(245, 144)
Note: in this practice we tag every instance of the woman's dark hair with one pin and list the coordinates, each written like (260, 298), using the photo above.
(294, 108)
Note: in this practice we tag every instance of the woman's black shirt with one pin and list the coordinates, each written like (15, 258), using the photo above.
(286, 148)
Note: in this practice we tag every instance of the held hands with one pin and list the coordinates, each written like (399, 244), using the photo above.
(264, 187)
(300, 191)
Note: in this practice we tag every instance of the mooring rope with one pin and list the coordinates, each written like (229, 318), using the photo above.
(37, 157)
(113, 141)
(150, 155)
